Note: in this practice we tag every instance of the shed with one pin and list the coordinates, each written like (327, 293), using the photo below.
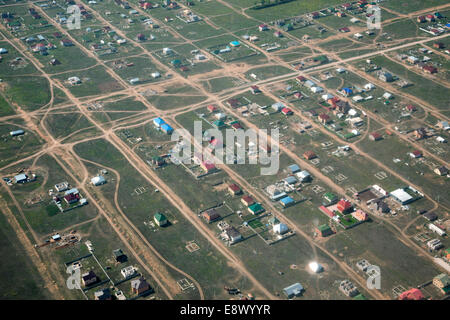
(294, 290)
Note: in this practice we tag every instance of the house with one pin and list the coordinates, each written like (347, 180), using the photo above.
(62, 186)
(166, 128)
(127, 272)
(441, 171)
(430, 216)
(255, 90)
(98, 180)
(236, 126)
(104, 294)
(435, 244)
(415, 154)
(386, 77)
(287, 111)
(324, 118)
(211, 108)
(287, 201)
(140, 37)
(375, 136)
(421, 19)
(412, 294)
(411, 108)
(438, 45)
(309, 155)
(211, 215)
(208, 167)
(263, 27)
(256, 208)
(360, 215)
(330, 198)
(74, 80)
(442, 282)
(278, 34)
(401, 196)
(158, 122)
(344, 29)
(66, 43)
(348, 288)
(71, 198)
(344, 206)
(381, 206)
(16, 133)
(420, 133)
(234, 189)
(430, 18)
(443, 125)
(119, 256)
(429, 69)
(294, 168)
(324, 230)
(304, 176)
(300, 79)
(157, 161)
(160, 219)
(232, 235)
(280, 228)
(140, 286)
(294, 290)
(247, 201)
(89, 278)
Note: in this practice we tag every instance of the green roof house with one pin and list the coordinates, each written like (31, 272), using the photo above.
(331, 198)
(218, 124)
(160, 219)
(256, 208)
(324, 230)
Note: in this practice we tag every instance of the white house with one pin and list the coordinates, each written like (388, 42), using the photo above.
(280, 228)
(98, 180)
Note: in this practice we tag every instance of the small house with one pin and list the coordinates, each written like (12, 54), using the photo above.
(160, 219)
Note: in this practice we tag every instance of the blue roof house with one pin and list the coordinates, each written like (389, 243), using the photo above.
(287, 201)
(158, 122)
(166, 128)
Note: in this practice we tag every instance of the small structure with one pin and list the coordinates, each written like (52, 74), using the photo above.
(89, 278)
(309, 155)
(294, 290)
(344, 206)
(247, 201)
(160, 219)
(98, 180)
(119, 256)
(280, 228)
(256, 208)
(211, 215)
(324, 230)
(442, 282)
(127, 272)
(234, 189)
(348, 288)
(412, 294)
(21, 178)
(140, 286)
(16, 133)
(104, 294)
(232, 235)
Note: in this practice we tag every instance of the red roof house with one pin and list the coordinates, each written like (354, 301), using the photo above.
(412, 294)
(344, 206)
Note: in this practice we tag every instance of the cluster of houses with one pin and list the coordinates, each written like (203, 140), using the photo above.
(67, 198)
(424, 63)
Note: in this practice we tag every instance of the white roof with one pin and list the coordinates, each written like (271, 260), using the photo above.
(401, 195)
(98, 180)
